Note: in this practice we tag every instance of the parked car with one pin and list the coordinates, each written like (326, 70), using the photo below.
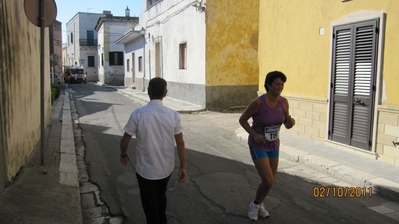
(57, 78)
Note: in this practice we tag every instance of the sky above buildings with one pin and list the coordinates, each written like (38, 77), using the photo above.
(66, 9)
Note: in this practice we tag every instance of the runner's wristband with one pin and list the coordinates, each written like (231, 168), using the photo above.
(124, 156)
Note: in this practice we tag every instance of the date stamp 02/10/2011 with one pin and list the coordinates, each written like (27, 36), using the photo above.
(342, 192)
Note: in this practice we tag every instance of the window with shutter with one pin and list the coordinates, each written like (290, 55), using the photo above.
(353, 81)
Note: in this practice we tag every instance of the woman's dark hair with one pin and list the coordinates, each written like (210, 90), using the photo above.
(271, 76)
(157, 88)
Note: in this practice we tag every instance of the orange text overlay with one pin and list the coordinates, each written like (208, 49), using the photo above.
(342, 192)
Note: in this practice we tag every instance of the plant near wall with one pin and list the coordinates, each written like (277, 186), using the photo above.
(55, 91)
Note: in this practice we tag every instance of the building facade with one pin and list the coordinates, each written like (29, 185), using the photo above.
(111, 65)
(340, 60)
(206, 50)
(134, 42)
(55, 36)
(82, 44)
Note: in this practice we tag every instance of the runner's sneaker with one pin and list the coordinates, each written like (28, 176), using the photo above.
(262, 211)
(253, 211)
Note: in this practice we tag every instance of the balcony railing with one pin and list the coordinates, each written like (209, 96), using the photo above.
(87, 42)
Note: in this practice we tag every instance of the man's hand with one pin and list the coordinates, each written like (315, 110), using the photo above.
(181, 175)
(125, 160)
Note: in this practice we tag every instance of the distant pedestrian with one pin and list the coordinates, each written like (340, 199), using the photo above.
(268, 113)
(157, 128)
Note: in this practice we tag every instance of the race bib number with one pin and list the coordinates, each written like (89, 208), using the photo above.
(272, 132)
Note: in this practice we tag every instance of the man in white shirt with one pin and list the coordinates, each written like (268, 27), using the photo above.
(157, 128)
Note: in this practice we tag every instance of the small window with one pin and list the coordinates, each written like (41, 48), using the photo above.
(127, 65)
(150, 3)
(90, 61)
(116, 58)
(140, 64)
(102, 59)
(183, 56)
(71, 38)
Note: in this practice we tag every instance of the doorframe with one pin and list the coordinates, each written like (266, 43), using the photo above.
(354, 18)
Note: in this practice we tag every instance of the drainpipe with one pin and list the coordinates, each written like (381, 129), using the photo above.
(144, 62)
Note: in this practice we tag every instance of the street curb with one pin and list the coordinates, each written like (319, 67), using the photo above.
(68, 165)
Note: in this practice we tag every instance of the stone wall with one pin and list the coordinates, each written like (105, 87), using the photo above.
(387, 133)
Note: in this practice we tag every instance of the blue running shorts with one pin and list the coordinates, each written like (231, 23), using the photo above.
(260, 154)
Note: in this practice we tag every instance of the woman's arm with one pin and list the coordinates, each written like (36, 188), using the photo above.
(289, 121)
(252, 109)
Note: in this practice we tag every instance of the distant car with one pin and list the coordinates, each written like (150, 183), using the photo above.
(74, 74)
(57, 79)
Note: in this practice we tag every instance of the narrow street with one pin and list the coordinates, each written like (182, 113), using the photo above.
(222, 179)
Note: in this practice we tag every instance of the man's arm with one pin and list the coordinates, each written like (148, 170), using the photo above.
(181, 150)
(123, 146)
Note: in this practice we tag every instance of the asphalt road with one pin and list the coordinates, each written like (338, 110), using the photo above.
(222, 179)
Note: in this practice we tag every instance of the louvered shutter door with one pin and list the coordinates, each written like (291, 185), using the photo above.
(364, 73)
(353, 73)
(341, 73)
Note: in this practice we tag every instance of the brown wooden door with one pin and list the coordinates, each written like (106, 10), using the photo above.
(353, 83)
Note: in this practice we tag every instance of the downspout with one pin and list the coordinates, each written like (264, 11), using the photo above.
(144, 41)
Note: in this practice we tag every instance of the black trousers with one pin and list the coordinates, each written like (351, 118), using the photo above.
(153, 199)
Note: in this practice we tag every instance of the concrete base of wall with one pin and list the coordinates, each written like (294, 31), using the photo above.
(311, 117)
(213, 97)
(225, 97)
(92, 78)
(193, 93)
(129, 81)
(114, 80)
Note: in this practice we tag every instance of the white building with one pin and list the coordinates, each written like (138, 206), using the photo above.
(82, 43)
(205, 50)
(175, 47)
(134, 42)
(111, 64)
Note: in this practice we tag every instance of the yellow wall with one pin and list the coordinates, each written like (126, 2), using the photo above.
(20, 85)
(232, 42)
(289, 41)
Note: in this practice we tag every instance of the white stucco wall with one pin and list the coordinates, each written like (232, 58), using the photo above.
(101, 60)
(108, 33)
(135, 47)
(79, 25)
(171, 23)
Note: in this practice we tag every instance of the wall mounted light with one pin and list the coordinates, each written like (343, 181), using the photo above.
(142, 31)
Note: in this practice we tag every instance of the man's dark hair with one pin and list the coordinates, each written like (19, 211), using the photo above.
(271, 76)
(157, 88)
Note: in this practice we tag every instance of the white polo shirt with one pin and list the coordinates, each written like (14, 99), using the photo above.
(154, 126)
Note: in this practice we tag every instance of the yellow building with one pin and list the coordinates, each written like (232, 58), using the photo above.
(231, 66)
(20, 110)
(340, 58)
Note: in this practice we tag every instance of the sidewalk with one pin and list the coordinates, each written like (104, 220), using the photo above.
(49, 193)
(355, 168)
(143, 98)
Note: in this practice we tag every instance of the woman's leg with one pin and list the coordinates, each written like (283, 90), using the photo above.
(264, 168)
